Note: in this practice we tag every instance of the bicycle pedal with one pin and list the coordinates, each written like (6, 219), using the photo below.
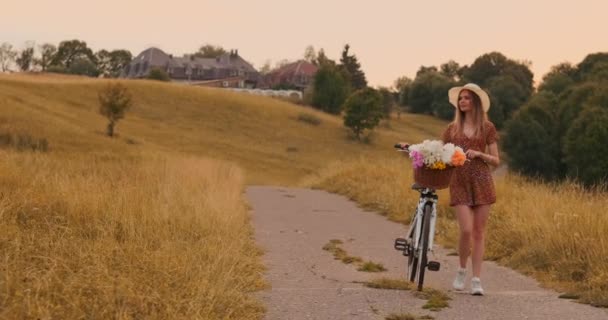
(433, 265)
(400, 244)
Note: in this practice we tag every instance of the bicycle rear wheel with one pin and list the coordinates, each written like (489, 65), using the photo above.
(424, 243)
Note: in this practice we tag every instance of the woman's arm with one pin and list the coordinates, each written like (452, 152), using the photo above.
(491, 157)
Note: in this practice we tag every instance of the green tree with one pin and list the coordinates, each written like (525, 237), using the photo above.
(388, 101)
(330, 89)
(47, 53)
(510, 82)
(114, 100)
(71, 51)
(532, 139)
(428, 93)
(450, 70)
(112, 63)
(586, 150)
(402, 85)
(322, 59)
(558, 79)
(25, 59)
(363, 111)
(209, 51)
(585, 69)
(352, 66)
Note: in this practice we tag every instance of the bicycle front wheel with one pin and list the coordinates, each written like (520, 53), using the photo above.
(424, 243)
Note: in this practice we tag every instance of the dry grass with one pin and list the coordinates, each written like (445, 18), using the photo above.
(265, 136)
(144, 225)
(123, 237)
(557, 233)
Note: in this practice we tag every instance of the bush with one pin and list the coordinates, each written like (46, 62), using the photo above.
(309, 118)
(158, 74)
(24, 142)
(363, 111)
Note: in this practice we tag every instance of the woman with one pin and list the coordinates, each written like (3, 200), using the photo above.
(471, 188)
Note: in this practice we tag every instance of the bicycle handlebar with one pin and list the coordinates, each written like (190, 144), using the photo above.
(401, 147)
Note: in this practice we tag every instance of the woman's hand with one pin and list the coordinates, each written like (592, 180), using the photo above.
(472, 154)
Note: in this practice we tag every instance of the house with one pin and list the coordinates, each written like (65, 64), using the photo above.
(195, 70)
(297, 75)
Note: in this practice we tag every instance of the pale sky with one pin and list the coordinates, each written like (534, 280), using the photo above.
(391, 38)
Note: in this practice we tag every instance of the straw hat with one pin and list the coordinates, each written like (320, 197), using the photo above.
(454, 92)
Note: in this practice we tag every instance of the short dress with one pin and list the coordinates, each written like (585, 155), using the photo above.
(472, 183)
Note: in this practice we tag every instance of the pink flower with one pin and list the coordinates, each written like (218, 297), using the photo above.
(417, 159)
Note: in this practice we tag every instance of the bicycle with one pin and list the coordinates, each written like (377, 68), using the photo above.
(419, 238)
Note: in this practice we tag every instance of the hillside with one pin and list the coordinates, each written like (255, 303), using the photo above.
(263, 135)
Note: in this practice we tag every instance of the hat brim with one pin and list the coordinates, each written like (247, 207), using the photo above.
(455, 91)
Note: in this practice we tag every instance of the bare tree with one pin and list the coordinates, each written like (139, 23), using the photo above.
(310, 55)
(7, 56)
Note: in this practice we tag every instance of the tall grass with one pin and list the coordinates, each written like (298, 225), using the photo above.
(112, 236)
(555, 232)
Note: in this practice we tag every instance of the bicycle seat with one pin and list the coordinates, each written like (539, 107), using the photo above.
(418, 187)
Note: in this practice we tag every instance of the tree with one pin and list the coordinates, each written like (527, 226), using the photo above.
(403, 85)
(310, 55)
(353, 68)
(266, 68)
(388, 101)
(26, 58)
(330, 89)
(114, 101)
(586, 67)
(586, 151)
(363, 111)
(70, 51)
(47, 53)
(532, 139)
(209, 51)
(450, 70)
(111, 64)
(7, 56)
(281, 63)
(322, 59)
(558, 79)
(428, 94)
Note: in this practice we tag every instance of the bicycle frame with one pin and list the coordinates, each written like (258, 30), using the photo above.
(426, 196)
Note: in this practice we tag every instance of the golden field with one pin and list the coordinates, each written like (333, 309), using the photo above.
(153, 223)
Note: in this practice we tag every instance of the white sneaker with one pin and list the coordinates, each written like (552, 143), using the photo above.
(458, 283)
(476, 288)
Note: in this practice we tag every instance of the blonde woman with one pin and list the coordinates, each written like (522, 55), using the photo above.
(472, 188)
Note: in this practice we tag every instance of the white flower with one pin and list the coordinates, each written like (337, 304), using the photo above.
(447, 153)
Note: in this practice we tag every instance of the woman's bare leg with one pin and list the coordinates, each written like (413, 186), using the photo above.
(480, 218)
(464, 214)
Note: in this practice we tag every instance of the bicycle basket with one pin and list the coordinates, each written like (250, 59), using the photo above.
(433, 178)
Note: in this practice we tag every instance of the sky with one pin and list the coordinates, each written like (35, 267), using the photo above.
(391, 38)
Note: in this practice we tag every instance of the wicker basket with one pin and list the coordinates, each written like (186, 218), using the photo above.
(433, 178)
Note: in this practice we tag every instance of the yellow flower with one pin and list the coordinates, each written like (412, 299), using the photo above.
(438, 165)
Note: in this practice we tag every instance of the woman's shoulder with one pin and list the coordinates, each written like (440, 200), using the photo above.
(487, 124)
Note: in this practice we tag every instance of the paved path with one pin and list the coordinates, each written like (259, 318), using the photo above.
(292, 226)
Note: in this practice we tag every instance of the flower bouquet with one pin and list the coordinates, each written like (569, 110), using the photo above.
(433, 162)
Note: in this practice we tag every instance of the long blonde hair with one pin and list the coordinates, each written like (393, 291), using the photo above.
(479, 116)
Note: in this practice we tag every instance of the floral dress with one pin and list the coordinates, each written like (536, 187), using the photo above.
(472, 183)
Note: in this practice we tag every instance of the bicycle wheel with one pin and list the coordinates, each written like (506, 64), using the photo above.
(412, 258)
(424, 241)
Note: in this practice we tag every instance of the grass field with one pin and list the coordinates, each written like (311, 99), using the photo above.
(153, 223)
